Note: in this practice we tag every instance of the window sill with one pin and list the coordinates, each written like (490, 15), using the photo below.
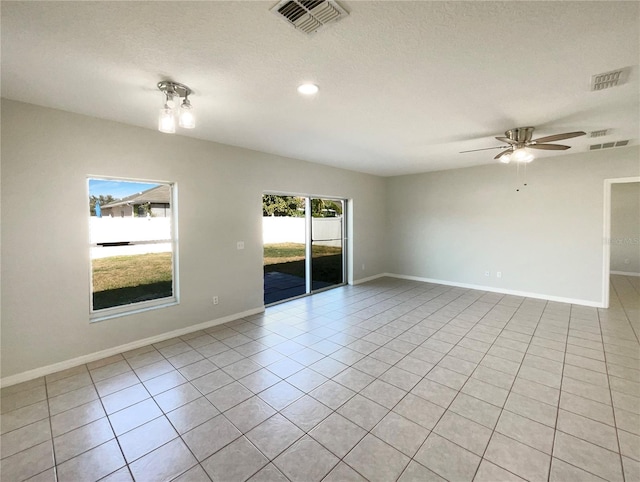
(125, 310)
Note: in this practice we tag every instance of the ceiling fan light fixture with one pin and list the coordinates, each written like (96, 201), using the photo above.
(519, 142)
(522, 155)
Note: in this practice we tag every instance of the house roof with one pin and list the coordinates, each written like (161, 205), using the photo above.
(160, 194)
(404, 85)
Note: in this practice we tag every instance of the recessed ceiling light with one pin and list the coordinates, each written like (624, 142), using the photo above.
(308, 89)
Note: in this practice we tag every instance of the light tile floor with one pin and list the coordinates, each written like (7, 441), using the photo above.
(389, 380)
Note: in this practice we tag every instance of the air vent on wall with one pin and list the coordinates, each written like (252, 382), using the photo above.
(607, 80)
(600, 133)
(608, 145)
(309, 16)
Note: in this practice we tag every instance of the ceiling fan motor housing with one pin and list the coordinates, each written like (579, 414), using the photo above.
(520, 134)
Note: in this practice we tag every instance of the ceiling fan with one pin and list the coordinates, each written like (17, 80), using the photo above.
(520, 139)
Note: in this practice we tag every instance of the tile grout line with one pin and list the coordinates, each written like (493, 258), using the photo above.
(589, 418)
(493, 430)
(555, 428)
(424, 377)
(444, 355)
(53, 447)
(470, 376)
(613, 408)
(220, 413)
(633, 328)
(115, 436)
(369, 432)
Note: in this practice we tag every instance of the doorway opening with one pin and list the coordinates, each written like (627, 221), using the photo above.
(304, 245)
(621, 253)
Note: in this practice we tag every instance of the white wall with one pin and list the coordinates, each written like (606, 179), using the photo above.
(625, 227)
(46, 157)
(546, 239)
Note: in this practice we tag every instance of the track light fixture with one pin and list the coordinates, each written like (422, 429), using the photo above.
(168, 113)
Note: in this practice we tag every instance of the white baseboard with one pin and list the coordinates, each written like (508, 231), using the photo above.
(370, 278)
(595, 304)
(625, 273)
(81, 360)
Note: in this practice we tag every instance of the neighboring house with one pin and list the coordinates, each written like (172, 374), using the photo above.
(155, 202)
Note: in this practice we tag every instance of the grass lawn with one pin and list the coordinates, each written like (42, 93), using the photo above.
(287, 252)
(289, 258)
(121, 280)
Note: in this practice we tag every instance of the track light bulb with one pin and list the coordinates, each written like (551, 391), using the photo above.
(187, 119)
(167, 121)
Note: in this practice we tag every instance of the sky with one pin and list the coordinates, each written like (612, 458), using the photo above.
(118, 189)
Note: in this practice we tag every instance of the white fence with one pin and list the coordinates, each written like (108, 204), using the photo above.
(115, 230)
(275, 229)
(279, 229)
(131, 230)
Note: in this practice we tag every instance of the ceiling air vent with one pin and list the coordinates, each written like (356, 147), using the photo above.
(309, 16)
(608, 145)
(607, 80)
(600, 133)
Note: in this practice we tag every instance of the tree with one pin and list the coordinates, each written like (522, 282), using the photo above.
(102, 199)
(273, 205)
(325, 208)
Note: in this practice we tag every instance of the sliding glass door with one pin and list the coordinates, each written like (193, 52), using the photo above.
(327, 240)
(304, 240)
(284, 247)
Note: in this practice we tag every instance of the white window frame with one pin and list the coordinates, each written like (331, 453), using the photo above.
(142, 306)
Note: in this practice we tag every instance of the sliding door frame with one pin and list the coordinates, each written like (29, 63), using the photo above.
(345, 242)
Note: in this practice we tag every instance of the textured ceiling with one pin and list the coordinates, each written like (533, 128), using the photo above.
(404, 86)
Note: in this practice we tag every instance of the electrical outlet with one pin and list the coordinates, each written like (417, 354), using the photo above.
(240, 244)
(215, 300)
(499, 274)
(487, 273)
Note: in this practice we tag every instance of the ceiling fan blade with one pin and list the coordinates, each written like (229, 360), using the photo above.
(485, 149)
(549, 147)
(508, 151)
(507, 140)
(559, 137)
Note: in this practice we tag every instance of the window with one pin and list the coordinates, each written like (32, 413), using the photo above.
(133, 246)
